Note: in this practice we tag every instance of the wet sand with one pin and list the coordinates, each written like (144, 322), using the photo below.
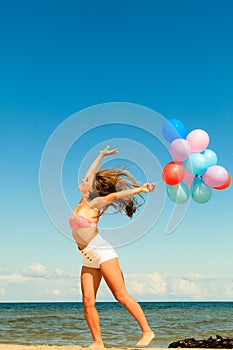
(55, 347)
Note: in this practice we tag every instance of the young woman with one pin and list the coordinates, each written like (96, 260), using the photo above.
(101, 189)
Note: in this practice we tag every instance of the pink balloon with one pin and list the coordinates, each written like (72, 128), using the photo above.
(215, 176)
(198, 139)
(188, 178)
(180, 150)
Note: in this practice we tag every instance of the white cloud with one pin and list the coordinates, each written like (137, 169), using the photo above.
(60, 291)
(191, 276)
(75, 291)
(187, 288)
(142, 284)
(36, 282)
(35, 270)
(42, 292)
(136, 287)
(229, 291)
(199, 287)
(156, 284)
(13, 278)
(186, 285)
(56, 292)
(59, 273)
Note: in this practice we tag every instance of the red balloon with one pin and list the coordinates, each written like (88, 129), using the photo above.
(227, 184)
(173, 173)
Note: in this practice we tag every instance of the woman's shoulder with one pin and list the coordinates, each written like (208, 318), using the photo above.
(87, 205)
(98, 203)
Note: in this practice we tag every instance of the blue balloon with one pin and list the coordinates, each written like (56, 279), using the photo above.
(201, 193)
(211, 157)
(178, 193)
(174, 129)
(196, 163)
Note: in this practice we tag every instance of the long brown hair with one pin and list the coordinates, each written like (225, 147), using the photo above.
(114, 180)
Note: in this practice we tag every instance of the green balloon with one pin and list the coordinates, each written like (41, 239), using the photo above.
(201, 193)
(178, 193)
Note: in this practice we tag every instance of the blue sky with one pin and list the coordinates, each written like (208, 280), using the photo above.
(59, 57)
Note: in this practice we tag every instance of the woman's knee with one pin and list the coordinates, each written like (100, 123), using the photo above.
(121, 296)
(88, 301)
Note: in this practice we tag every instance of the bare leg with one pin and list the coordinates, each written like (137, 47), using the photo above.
(113, 276)
(90, 281)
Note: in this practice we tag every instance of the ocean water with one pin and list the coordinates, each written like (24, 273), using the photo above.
(64, 323)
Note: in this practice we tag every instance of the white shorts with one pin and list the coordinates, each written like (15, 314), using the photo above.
(97, 252)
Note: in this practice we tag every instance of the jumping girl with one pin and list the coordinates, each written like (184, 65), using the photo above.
(101, 189)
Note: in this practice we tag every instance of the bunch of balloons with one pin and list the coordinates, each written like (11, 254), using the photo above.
(194, 171)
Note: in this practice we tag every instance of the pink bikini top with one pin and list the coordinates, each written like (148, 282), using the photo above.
(83, 230)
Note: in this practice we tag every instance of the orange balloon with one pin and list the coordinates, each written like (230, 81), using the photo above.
(227, 184)
(173, 173)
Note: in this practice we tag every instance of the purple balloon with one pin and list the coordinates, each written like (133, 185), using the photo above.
(180, 150)
(215, 176)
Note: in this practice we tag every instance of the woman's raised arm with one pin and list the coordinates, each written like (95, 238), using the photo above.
(95, 165)
(101, 202)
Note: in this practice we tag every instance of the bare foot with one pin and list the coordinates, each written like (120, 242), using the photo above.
(95, 346)
(146, 338)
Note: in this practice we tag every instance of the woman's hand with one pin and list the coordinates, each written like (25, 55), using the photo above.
(148, 187)
(106, 152)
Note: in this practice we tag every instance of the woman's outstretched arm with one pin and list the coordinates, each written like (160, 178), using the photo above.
(95, 165)
(101, 202)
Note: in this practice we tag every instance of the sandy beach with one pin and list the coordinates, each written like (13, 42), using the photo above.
(55, 347)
